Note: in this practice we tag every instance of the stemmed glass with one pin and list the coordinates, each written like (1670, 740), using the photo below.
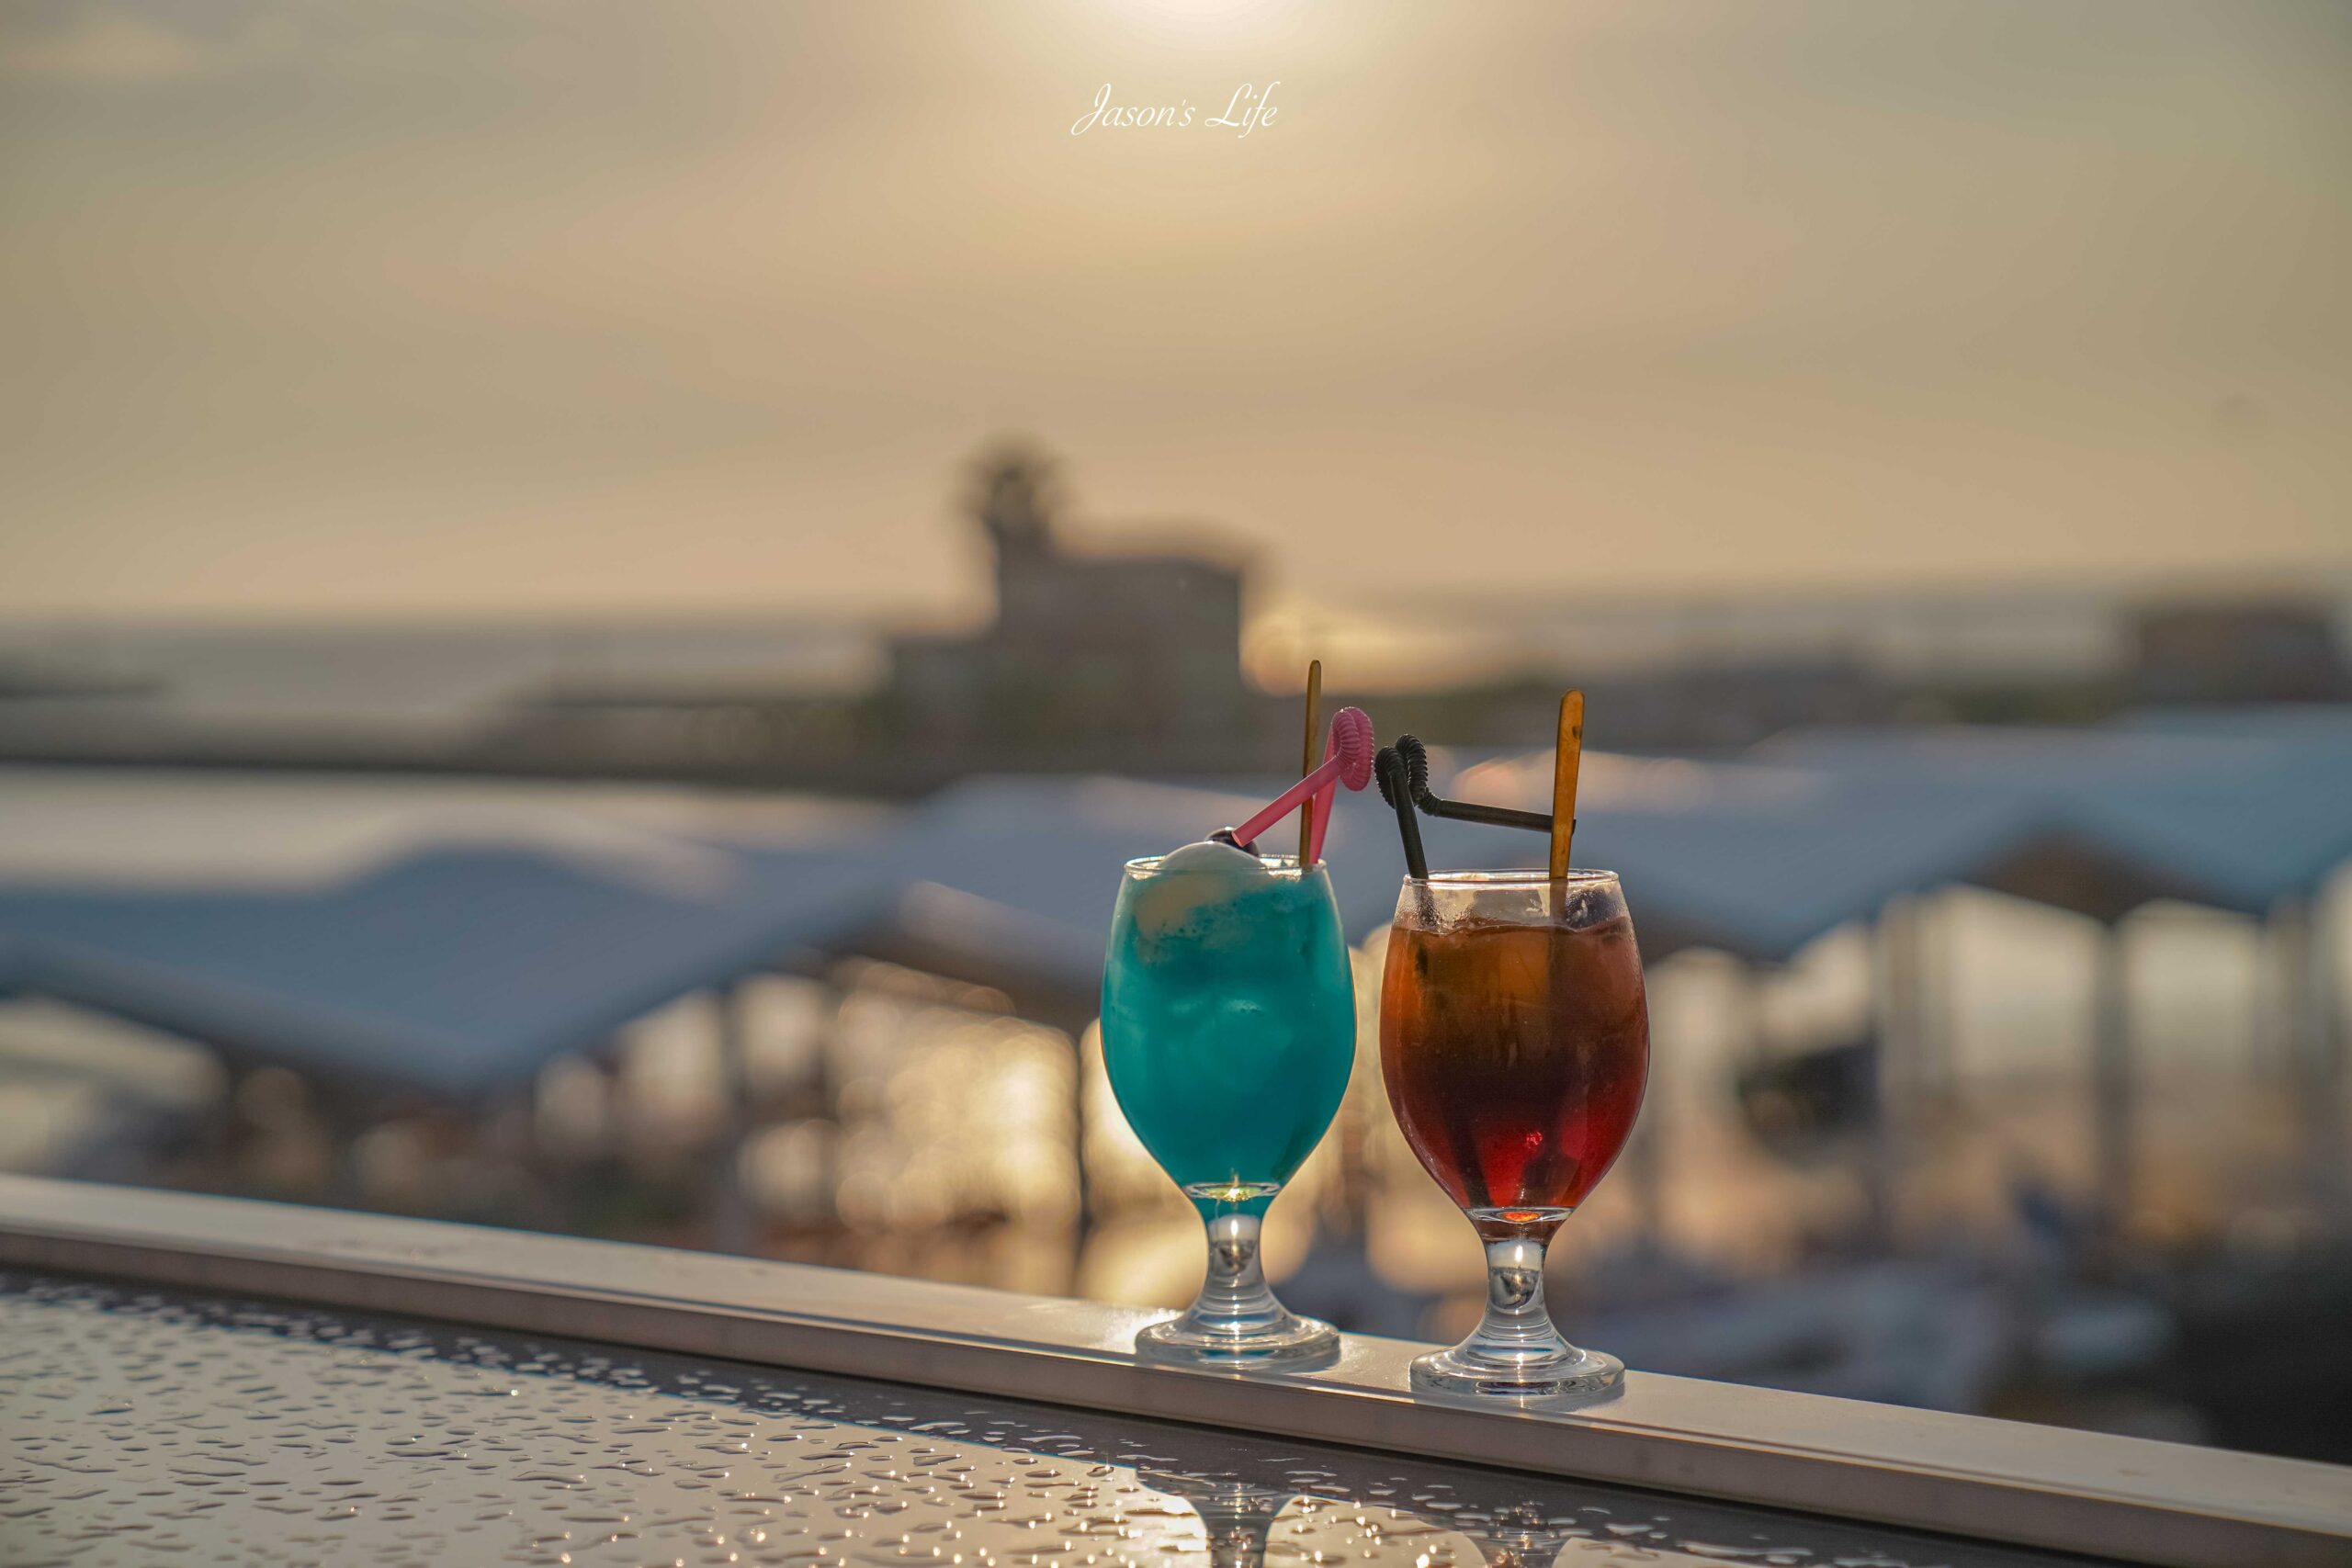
(1514, 1036)
(1228, 1030)
(1235, 1517)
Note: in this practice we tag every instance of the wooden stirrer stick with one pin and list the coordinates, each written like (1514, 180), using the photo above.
(1565, 759)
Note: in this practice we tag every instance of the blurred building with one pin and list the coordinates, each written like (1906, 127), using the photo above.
(1104, 658)
(1692, 706)
(1121, 652)
(2276, 651)
(1094, 659)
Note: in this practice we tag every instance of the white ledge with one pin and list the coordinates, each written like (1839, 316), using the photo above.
(2115, 1497)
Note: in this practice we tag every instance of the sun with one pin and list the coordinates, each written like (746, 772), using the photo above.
(1204, 21)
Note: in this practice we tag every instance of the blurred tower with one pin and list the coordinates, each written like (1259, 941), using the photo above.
(1097, 659)
(1014, 497)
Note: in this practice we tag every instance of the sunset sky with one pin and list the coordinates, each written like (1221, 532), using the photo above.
(453, 308)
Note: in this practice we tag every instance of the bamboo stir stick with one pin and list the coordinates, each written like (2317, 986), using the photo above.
(1306, 762)
(1567, 753)
(1565, 759)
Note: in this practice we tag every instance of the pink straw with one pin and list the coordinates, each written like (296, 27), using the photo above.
(1319, 813)
(1347, 760)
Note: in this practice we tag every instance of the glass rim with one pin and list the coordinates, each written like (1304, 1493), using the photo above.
(1275, 865)
(1517, 876)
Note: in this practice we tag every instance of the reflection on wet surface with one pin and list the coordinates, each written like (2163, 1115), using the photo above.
(143, 1426)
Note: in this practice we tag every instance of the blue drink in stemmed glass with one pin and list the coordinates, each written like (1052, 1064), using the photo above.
(1228, 1031)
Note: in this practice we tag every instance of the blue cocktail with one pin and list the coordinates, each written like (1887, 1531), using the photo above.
(1228, 1029)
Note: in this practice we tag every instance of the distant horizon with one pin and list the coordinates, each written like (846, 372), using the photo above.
(2051, 627)
(2285, 582)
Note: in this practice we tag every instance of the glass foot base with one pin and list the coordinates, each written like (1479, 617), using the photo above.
(1286, 1339)
(1578, 1374)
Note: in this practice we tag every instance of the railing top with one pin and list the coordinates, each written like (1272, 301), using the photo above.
(1994, 1480)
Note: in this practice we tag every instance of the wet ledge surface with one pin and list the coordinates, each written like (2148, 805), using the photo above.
(140, 1426)
(1794, 1454)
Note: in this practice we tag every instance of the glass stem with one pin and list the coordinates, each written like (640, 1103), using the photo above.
(1517, 1327)
(1237, 1542)
(1241, 1549)
(1234, 1297)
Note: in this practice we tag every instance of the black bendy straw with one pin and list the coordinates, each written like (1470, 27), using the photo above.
(1389, 769)
(1415, 759)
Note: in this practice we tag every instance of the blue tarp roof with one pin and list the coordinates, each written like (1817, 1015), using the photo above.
(460, 971)
(455, 972)
(1758, 858)
(1758, 861)
(2236, 813)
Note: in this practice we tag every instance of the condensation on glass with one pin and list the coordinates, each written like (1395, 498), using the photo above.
(140, 1427)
